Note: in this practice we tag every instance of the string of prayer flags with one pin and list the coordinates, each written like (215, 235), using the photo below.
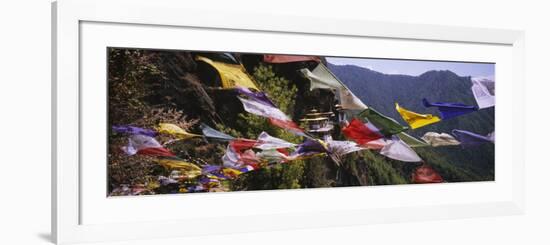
(231, 75)
(399, 150)
(145, 145)
(172, 129)
(439, 139)
(360, 132)
(387, 126)
(412, 141)
(126, 129)
(450, 110)
(416, 120)
(426, 174)
(211, 133)
(482, 94)
(271, 58)
(467, 138)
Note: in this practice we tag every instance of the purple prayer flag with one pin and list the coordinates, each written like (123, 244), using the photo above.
(256, 96)
(310, 147)
(208, 169)
(469, 138)
(450, 110)
(125, 129)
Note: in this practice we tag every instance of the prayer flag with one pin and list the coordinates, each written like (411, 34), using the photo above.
(426, 174)
(468, 138)
(272, 156)
(242, 144)
(360, 132)
(414, 119)
(209, 132)
(125, 129)
(442, 139)
(322, 78)
(145, 145)
(275, 116)
(399, 150)
(210, 169)
(231, 75)
(386, 125)
(256, 95)
(341, 148)
(231, 172)
(412, 141)
(289, 58)
(263, 110)
(288, 125)
(172, 129)
(349, 101)
(483, 96)
(450, 110)
(188, 170)
(310, 147)
(268, 142)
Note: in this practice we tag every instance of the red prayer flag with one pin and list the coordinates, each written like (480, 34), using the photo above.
(242, 144)
(290, 125)
(289, 58)
(360, 133)
(425, 174)
(156, 151)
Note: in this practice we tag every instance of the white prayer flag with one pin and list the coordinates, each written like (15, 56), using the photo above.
(268, 142)
(263, 110)
(400, 151)
(442, 139)
(322, 78)
(483, 96)
(138, 142)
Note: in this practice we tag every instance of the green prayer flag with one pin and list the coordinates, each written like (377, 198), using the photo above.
(386, 125)
(411, 141)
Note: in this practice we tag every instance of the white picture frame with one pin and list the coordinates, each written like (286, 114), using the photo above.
(68, 19)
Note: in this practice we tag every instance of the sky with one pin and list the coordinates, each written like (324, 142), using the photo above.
(415, 68)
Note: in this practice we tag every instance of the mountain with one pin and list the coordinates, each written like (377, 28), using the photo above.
(381, 91)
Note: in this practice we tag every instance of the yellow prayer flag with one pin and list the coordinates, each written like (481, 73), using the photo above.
(188, 170)
(416, 120)
(230, 172)
(172, 129)
(232, 75)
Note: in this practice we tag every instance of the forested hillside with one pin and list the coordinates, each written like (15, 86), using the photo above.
(381, 91)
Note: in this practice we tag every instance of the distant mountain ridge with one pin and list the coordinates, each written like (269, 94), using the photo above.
(381, 91)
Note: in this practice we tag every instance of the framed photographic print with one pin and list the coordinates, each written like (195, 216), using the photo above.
(166, 123)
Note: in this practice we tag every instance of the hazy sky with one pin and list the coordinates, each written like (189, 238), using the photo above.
(415, 68)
